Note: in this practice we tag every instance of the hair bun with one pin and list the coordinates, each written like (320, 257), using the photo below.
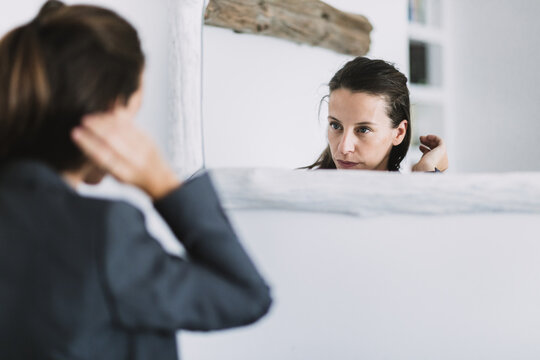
(49, 7)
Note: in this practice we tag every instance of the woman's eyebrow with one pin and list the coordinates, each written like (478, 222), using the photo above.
(333, 118)
(359, 123)
(366, 123)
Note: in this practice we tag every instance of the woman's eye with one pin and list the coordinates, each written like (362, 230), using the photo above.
(363, 130)
(334, 125)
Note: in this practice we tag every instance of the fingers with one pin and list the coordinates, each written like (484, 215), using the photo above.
(112, 131)
(105, 140)
(93, 147)
(431, 141)
(424, 149)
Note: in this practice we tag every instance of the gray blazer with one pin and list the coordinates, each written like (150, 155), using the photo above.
(81, 278)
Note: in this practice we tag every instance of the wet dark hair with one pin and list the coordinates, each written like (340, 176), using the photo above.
(67, 62)
(374, 77)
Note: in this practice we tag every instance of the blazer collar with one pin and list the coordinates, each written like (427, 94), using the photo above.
(31, 173)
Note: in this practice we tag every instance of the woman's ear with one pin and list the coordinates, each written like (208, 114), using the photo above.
(400, 132)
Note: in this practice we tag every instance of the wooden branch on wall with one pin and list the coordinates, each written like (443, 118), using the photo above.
(302, 21)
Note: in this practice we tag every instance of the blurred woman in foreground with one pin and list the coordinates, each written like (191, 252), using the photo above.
(81, 278)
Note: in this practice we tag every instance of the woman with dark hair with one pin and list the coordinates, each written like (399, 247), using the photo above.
(81, 278)
(369, 122)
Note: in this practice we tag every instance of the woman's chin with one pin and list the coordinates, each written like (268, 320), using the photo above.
(356, 167)
(341, 165)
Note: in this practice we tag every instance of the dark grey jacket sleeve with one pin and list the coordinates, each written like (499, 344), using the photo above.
(218, 287)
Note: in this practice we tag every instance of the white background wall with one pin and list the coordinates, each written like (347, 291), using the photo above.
(465, 294)
(496, 75)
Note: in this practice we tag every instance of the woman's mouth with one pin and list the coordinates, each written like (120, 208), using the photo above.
(346, 164)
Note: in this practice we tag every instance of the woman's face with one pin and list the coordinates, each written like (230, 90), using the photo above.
(360, 133)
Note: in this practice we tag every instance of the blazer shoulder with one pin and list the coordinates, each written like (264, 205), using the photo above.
(112, 209)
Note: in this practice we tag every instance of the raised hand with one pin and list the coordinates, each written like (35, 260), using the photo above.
(112, 142)
(434, 154)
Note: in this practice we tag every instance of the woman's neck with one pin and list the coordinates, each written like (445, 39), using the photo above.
(73, 178)
(88, 173)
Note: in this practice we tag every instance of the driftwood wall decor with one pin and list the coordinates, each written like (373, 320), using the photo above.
(302, 21)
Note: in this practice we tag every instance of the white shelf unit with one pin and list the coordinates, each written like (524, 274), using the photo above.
(428, 72)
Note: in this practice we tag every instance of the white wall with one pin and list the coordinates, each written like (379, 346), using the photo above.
(496, 78)
(356, 288)
(261, 95)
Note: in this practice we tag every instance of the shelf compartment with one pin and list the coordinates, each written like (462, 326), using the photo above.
(425, 62)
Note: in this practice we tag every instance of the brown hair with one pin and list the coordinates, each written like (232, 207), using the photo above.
(374, 77)
(67, 62)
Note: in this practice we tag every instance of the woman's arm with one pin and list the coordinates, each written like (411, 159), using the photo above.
(217, 287)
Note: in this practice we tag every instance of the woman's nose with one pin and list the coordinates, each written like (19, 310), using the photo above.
(347, 144)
